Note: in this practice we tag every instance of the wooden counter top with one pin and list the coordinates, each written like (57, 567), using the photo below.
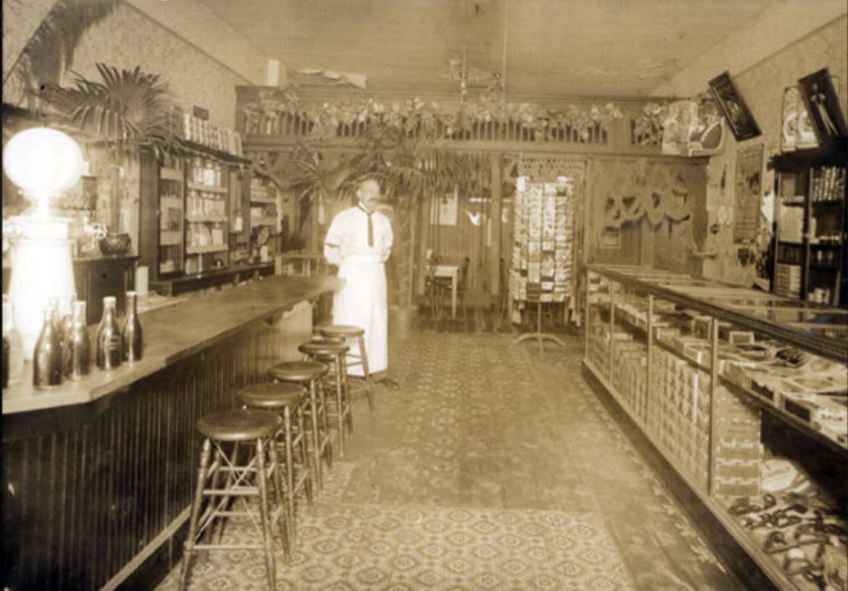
(175, 332)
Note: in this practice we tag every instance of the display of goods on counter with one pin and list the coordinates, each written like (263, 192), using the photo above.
(797, 524)
(809, 387)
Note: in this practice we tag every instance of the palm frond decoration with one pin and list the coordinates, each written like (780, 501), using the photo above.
(129, 110)
(314, 180)
(410, 169)
(50, 50)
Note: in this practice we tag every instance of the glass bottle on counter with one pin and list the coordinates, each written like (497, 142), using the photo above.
(5, 361)
(47, 362)
(132, 336)
(15, 363)
(67, 327)
(109, 349)
(79, 343)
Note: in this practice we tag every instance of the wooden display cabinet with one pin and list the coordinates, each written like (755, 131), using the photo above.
(190, 203)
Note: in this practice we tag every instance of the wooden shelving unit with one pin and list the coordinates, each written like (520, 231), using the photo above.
(816, 267)
(194, 191)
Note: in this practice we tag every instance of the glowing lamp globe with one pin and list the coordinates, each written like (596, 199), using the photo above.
(43, 163)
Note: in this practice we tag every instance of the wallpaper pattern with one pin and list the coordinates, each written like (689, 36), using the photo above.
(20, 19)
(762, 88)
(127, 39)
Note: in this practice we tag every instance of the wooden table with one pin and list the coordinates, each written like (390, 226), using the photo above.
(451, 272)
(98, 473)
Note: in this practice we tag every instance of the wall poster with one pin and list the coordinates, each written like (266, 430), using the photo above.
(444, 209)
(749, 167)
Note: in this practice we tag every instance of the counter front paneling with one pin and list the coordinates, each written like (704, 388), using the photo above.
(97, 475)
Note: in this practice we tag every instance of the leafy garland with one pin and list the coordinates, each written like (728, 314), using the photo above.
(648, 126)
(425, 119)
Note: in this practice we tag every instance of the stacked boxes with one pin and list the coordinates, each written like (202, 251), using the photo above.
(679, 411)
(202, 132)
(787, 280)
(738, 452)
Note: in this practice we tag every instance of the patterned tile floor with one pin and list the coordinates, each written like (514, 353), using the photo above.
(490, 467)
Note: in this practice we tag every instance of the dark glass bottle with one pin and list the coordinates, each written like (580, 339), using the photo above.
(6, 348)
(132, 337)
(109, 349)
(79, 344)
(47, 363)
(67, 327)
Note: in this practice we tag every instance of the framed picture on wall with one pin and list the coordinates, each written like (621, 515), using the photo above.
(822, 105)
(738, 116)
(797, 130)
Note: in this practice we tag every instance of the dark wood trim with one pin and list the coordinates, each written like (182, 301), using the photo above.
(213, 278)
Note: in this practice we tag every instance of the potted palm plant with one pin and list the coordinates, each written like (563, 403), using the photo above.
(127, 112)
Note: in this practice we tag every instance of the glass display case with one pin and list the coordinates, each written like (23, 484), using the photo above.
(745, 395)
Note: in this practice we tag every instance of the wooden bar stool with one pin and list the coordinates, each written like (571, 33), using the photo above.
(359, 359)
(258, 428)
(333, 352)
(310, 374)
(289, 401)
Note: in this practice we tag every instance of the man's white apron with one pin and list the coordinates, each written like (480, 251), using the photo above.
(362, 302)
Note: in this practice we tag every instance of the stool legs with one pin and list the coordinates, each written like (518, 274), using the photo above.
(369, 388)
(326, 448)
(263, 512)
(218, 507)
(195, 512)
(304, 454)
(316, 438)
(287, 425)
(283, 522)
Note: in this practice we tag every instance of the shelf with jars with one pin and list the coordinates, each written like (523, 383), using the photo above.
(171, 216)
(744, 395)
(207, 214)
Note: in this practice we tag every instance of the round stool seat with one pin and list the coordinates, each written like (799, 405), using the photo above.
(319, 338)
(298, 371)
(272, 396)
(323, 349)
(342, 330)
(242, 424)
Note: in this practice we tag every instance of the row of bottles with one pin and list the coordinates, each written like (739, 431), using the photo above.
(206, 172)
(205, 203)
(63, 348)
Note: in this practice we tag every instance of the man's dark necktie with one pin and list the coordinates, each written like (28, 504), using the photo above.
(370, 226)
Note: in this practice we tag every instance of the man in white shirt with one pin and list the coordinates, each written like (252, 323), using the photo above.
(359, 241)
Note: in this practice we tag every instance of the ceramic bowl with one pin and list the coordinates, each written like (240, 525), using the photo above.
(115, 244)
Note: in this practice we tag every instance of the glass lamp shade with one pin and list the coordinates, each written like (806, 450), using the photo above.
(43, 163)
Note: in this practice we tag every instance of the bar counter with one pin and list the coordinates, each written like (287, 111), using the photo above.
(97, 474)
(172, 334)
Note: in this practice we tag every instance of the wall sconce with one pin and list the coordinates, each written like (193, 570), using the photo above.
(42, 163)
